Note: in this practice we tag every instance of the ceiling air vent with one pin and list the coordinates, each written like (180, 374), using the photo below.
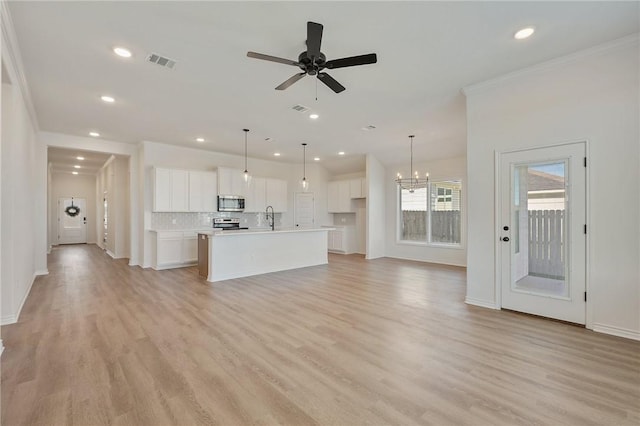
(300, 108)
(161, 60)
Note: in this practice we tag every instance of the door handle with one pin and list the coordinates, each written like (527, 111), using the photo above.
(505, 239)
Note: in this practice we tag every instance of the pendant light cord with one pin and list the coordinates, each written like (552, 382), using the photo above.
(245, 149)
(411, 163)
(304, 161)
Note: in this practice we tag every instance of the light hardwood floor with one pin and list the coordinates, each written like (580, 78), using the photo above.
(349, 343)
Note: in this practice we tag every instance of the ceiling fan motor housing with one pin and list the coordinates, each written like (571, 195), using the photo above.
(310, 67)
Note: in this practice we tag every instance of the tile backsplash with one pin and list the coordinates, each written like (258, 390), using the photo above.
(205, 220)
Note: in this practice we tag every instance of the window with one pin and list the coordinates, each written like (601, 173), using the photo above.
(413, 208)
(432, 215)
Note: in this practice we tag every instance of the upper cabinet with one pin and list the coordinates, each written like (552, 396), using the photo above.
(256, 198)
(231, 182)
(358, 188)
(183, 190)
(276, 194)
(340, 193)
(339, 197)
(202, 191)
(171, 190)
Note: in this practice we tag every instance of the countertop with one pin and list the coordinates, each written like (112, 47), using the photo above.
(258, 231)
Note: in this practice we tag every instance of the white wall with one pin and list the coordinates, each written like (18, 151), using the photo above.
(448, 169)
(20, 261)
(593, 96)
(376, 208)
(66, 185)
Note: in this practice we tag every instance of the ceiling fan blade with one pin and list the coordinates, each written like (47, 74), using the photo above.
(352, 61)
(272, 59)
(314, 39)
(290, 81)
(331, 82)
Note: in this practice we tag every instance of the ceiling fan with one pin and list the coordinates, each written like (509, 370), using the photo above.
(312, 61)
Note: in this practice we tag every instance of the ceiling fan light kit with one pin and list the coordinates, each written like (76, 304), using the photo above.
(313, 62)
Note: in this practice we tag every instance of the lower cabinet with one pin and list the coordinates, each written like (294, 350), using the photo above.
(174, 249)
(342, 239)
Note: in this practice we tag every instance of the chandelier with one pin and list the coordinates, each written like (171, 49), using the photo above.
(414, 181)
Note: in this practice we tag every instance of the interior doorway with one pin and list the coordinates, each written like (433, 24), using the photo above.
(304, 208)
(542, 241)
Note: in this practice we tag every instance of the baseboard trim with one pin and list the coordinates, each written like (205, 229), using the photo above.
(12, 319)
(8, 319)
(617, 331)
(482, 303)
(428, 261)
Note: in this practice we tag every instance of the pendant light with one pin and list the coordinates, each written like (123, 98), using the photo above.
(413, 182)
(304, 183)
(247, 176)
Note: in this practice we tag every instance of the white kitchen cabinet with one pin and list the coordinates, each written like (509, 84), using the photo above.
(231, 181)
(256, 198)
(357, 188)
(339, 197)
(168, 248)
(203, 190)
(190, 247)
(171, 190)
(276, 194)
(342, 240)
(174, 249)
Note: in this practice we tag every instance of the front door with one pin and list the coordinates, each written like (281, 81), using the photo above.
(542, 231)
(72, 221)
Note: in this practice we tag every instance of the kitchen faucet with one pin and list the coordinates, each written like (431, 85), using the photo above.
(273, 219)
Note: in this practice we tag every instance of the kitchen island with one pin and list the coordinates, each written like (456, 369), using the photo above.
(243, 253)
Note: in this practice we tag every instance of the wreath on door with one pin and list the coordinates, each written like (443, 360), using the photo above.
(72, 210)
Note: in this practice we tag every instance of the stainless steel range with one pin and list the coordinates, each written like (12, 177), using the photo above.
(227, 224)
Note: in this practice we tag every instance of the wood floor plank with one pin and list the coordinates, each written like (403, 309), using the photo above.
(352, 342)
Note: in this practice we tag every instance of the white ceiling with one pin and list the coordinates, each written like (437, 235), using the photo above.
(427, 51)
(63, 161)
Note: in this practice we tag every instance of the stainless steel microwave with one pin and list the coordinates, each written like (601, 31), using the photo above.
(230, 203)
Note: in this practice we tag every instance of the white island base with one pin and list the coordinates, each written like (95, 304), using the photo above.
(236, 254)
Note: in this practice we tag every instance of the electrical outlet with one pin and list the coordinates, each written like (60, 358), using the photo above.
(174, 221)
(343, 220)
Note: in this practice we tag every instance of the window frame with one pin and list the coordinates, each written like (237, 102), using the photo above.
(428, 243)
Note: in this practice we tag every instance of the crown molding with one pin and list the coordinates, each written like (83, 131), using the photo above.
(553, 63)
(13, 61)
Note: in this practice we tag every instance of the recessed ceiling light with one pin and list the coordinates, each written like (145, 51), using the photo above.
(94, 134)
(524, 33)
(107, 99)
(313, 116)
(80, 158)
(74, 173)
(121, 51)
(268, 139)
(369, 127)
(199, 139)
(76, 167)
(276, 154)
(316, 158)
(341, 153)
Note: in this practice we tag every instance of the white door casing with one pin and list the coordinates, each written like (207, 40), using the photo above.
(541, 232)
(72, 220)
(304, 210)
